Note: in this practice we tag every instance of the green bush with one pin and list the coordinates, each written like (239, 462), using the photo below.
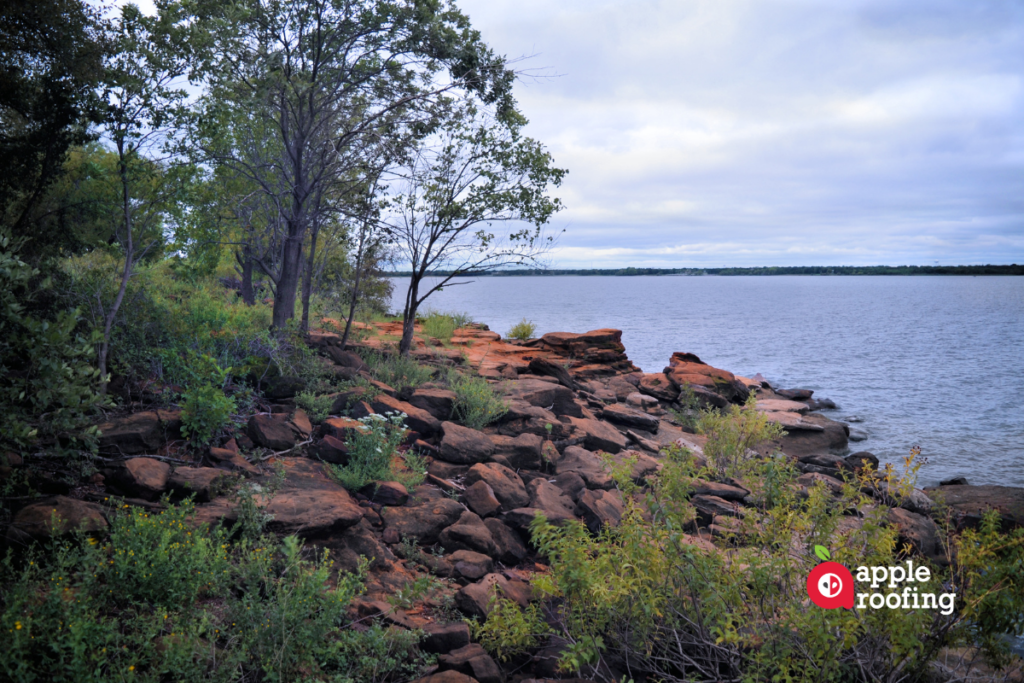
(371, 451)
(318, 408)
(476, 402)
(645, 598)
(733, 434)
(509, 630)
(522, 330)
(205, 412)
(400, 372)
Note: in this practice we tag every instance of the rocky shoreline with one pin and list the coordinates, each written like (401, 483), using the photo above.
(570, 397)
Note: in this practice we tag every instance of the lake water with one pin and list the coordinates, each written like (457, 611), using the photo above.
(933, 361)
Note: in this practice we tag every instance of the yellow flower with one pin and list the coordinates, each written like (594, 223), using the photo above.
(17, 626)
(131, 668)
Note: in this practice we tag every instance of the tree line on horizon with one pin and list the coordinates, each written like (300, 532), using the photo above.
(1012, 269)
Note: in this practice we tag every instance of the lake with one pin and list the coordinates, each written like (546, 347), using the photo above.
(934, 361)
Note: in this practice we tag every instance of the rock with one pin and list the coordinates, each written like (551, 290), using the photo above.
(144, 478)
(623, 415)
(464, 446)
(510, 547)
(346, 359)
(55, 517)
(438, 402)
(356, 542)
(862, 459)
(138, 433)
(643, 442)
(442, 638)
(225, 459)
(472, 660)
(425, 521)
(283, 387)
(599, 436)
(383, 388)
(474, 600)
(600, 508)
(544, 367)
(970, 503)
(480, 499)
(446, 677)
(269, 432)
(389, 493)
(766, 405)
(550, 499)
(702, 487)
(687, 369)
(821, 404)
(792, 422)
(642, 401)
(341, 428)
(331, 450)
(659, 387)
(468, 533)
(795, 394)
(917, 530)
(710, 507)
(300, 422)
(416, 419)
(519, 452)
(521, 518)
(811, 479)
(587, 465)
(343, 399)
(541, 394)
(199, 481)
(471, 565)
(824, 460)
(955, 481)
(507, 486)
(571, 483)
(832, 436)
(643, 467)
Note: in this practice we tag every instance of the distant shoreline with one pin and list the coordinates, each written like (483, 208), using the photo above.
(1013, 269)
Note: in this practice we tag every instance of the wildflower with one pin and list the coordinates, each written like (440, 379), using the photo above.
(17, 626)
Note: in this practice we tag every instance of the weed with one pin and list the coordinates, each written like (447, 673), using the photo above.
(508, 629)
(476, 403)
(397, 371)
(318, 408)
(372, 452)
(522, 330)
(205, 412)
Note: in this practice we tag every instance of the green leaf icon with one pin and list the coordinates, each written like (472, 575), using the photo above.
(822, 553)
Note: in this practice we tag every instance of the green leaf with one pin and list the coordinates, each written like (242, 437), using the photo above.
(822, 553)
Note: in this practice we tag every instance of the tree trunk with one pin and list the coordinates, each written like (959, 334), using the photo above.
(307, 284)
(409, 316)
(129, 254)
(288, 285)
(245, 261)
(352, 303)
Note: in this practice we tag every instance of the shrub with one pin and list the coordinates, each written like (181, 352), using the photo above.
(732, 435)
(476, 403)
(372, 452)
(509, 630)
(318, 408)
(522, 330)
(395, 370)
(205, 412)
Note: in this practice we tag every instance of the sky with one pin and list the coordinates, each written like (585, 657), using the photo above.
(774, 132)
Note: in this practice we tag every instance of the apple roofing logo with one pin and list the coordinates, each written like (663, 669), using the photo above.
(830, 584)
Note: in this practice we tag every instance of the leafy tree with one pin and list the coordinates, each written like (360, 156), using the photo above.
(322, 83)
(473, 174)
(51, 61)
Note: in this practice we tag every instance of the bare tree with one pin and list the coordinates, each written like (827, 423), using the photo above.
(473, 174)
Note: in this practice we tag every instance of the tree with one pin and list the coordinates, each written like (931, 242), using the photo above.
(473, 174)
(327, 79)
(51, 61)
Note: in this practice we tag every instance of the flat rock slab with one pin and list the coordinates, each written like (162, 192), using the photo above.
(199, 481)
(464, 446)
(139, 433)
(144, 478)
(781, 405)
(271, 431)
(623, 415)
(54, 517)
(308, 504)
(547, 395)
(702, 487)
(971, 502)
(599, 436)
(425, 521)
(416, 419)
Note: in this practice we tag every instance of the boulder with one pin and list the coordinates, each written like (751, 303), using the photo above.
(446, 677)
(199, 481)
(389, 493)
(658, 386)
(270, 432)
(341, 428)
(917, 530)
(510, 547)
(464, 446)
(710, 507)
(545, 368)
(55, 517)
(550, 499)
(225, 459)
(727, 492)
(354, 543)
(343, 399)
(599, 436)
(416, 419)
(507, 486)
(547, 395)
(863, 459)
(518, 452)
(471, 565)
(468, 533)
(587, 465)
(811, 479)
(687, 369)
(138, 433)
(474, 600)
(301, 424)
(643, 466)
(438, 402)
(423, 522)
(623, 415)
(144, 478)
(330, 449)
(521, 518)
(346, 359)
(480, 498)
(571, 483)
(474, 661)
(600, 508)
(970, 503)
(832, 436)
(442, 638)
(795, 394)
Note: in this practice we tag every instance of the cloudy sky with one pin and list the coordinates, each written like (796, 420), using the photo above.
(775, 132)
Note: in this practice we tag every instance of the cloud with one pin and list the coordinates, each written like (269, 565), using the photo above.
(776, 131)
